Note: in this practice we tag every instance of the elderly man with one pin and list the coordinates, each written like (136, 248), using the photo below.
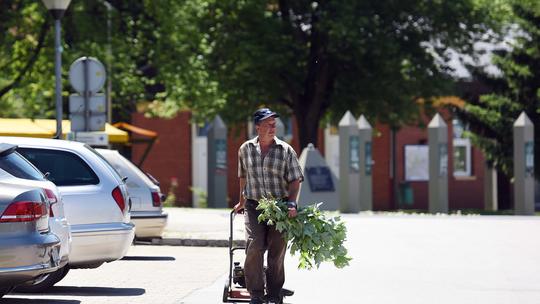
(267, 167)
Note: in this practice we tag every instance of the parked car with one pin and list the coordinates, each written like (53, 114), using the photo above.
(16, 170)
(146, 198)
(95, 197)
(28, 248)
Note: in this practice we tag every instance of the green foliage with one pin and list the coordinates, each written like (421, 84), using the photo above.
(491, 116)
(311, 59)
(170, 201)
(313, 236)
(321, 58)
(152, 54)
(202, 195)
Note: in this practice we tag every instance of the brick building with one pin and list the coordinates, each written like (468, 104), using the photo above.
(171, 160)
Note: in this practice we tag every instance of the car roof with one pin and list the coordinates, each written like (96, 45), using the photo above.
(40, 141)
(106, 151)
(7, 148)
(127, 166)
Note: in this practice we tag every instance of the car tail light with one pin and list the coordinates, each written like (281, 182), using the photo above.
(119, 198)
(156, 199)
(24, 212)
(52, 199)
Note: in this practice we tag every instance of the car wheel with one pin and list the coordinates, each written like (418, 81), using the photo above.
(5, 290)
(45, 283)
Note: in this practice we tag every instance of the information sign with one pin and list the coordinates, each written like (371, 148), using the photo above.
(319, 179)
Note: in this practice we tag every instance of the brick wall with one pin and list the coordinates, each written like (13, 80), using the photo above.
(236, 136)
(463, 192)
(381, 181)
(170, 157)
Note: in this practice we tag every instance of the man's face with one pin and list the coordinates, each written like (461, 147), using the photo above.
(267, 128)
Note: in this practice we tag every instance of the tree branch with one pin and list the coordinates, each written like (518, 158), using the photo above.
(297, 32)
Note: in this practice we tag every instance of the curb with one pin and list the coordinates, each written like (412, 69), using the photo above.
(190, 242)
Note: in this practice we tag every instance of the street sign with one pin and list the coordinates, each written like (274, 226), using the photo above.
(88, 110)
(97, 116)
(90, 138)
(94, 71)
(95, 122)
(96, 104)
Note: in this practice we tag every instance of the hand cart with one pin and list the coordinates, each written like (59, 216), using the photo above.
(235, 286)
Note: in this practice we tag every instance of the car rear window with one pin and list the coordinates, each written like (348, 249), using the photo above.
(65, 168)
(17, 166)
(113, 170)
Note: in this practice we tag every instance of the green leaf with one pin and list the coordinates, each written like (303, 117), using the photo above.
(315, 237)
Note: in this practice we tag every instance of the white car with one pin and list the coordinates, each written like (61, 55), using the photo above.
(96, 202)
(16, 170)
(146, 198)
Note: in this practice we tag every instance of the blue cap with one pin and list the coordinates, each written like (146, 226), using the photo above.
(262, 114)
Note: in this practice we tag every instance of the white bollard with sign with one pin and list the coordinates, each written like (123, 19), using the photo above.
(523, 166)
(217, 164)
(349, 165)
(366, 164)
(438, 165)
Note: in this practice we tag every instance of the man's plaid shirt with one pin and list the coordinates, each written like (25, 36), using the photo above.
(268, 177)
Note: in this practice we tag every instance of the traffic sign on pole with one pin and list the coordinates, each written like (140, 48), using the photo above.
(88, 109)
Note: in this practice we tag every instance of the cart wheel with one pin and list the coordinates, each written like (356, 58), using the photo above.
(226, 292)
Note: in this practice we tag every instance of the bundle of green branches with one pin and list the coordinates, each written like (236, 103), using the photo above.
(311, 234)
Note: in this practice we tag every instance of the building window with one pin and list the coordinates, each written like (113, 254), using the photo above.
(462, 151)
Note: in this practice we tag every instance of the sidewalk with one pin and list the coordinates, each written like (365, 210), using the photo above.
(201, 227)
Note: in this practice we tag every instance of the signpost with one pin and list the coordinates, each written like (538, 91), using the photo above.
(88, 108)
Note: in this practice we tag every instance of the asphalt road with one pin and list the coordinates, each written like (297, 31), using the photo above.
(422, 259)
(396, 259)
(148, 274)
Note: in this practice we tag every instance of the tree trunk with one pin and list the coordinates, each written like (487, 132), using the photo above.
(308, 126)
(314, 99)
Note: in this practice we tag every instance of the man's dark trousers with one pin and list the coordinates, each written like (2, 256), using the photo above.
(260, 237)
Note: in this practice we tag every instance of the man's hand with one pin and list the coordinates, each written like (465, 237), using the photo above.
(291, 206)
(292, 212)
(239, 207)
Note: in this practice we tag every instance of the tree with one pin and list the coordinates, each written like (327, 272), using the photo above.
(491, 116)
(25, 32)
(316, 59)
(153, 54)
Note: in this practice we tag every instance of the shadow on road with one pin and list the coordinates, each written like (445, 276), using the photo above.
(11, 300)
(92, 291)
(148, 258)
